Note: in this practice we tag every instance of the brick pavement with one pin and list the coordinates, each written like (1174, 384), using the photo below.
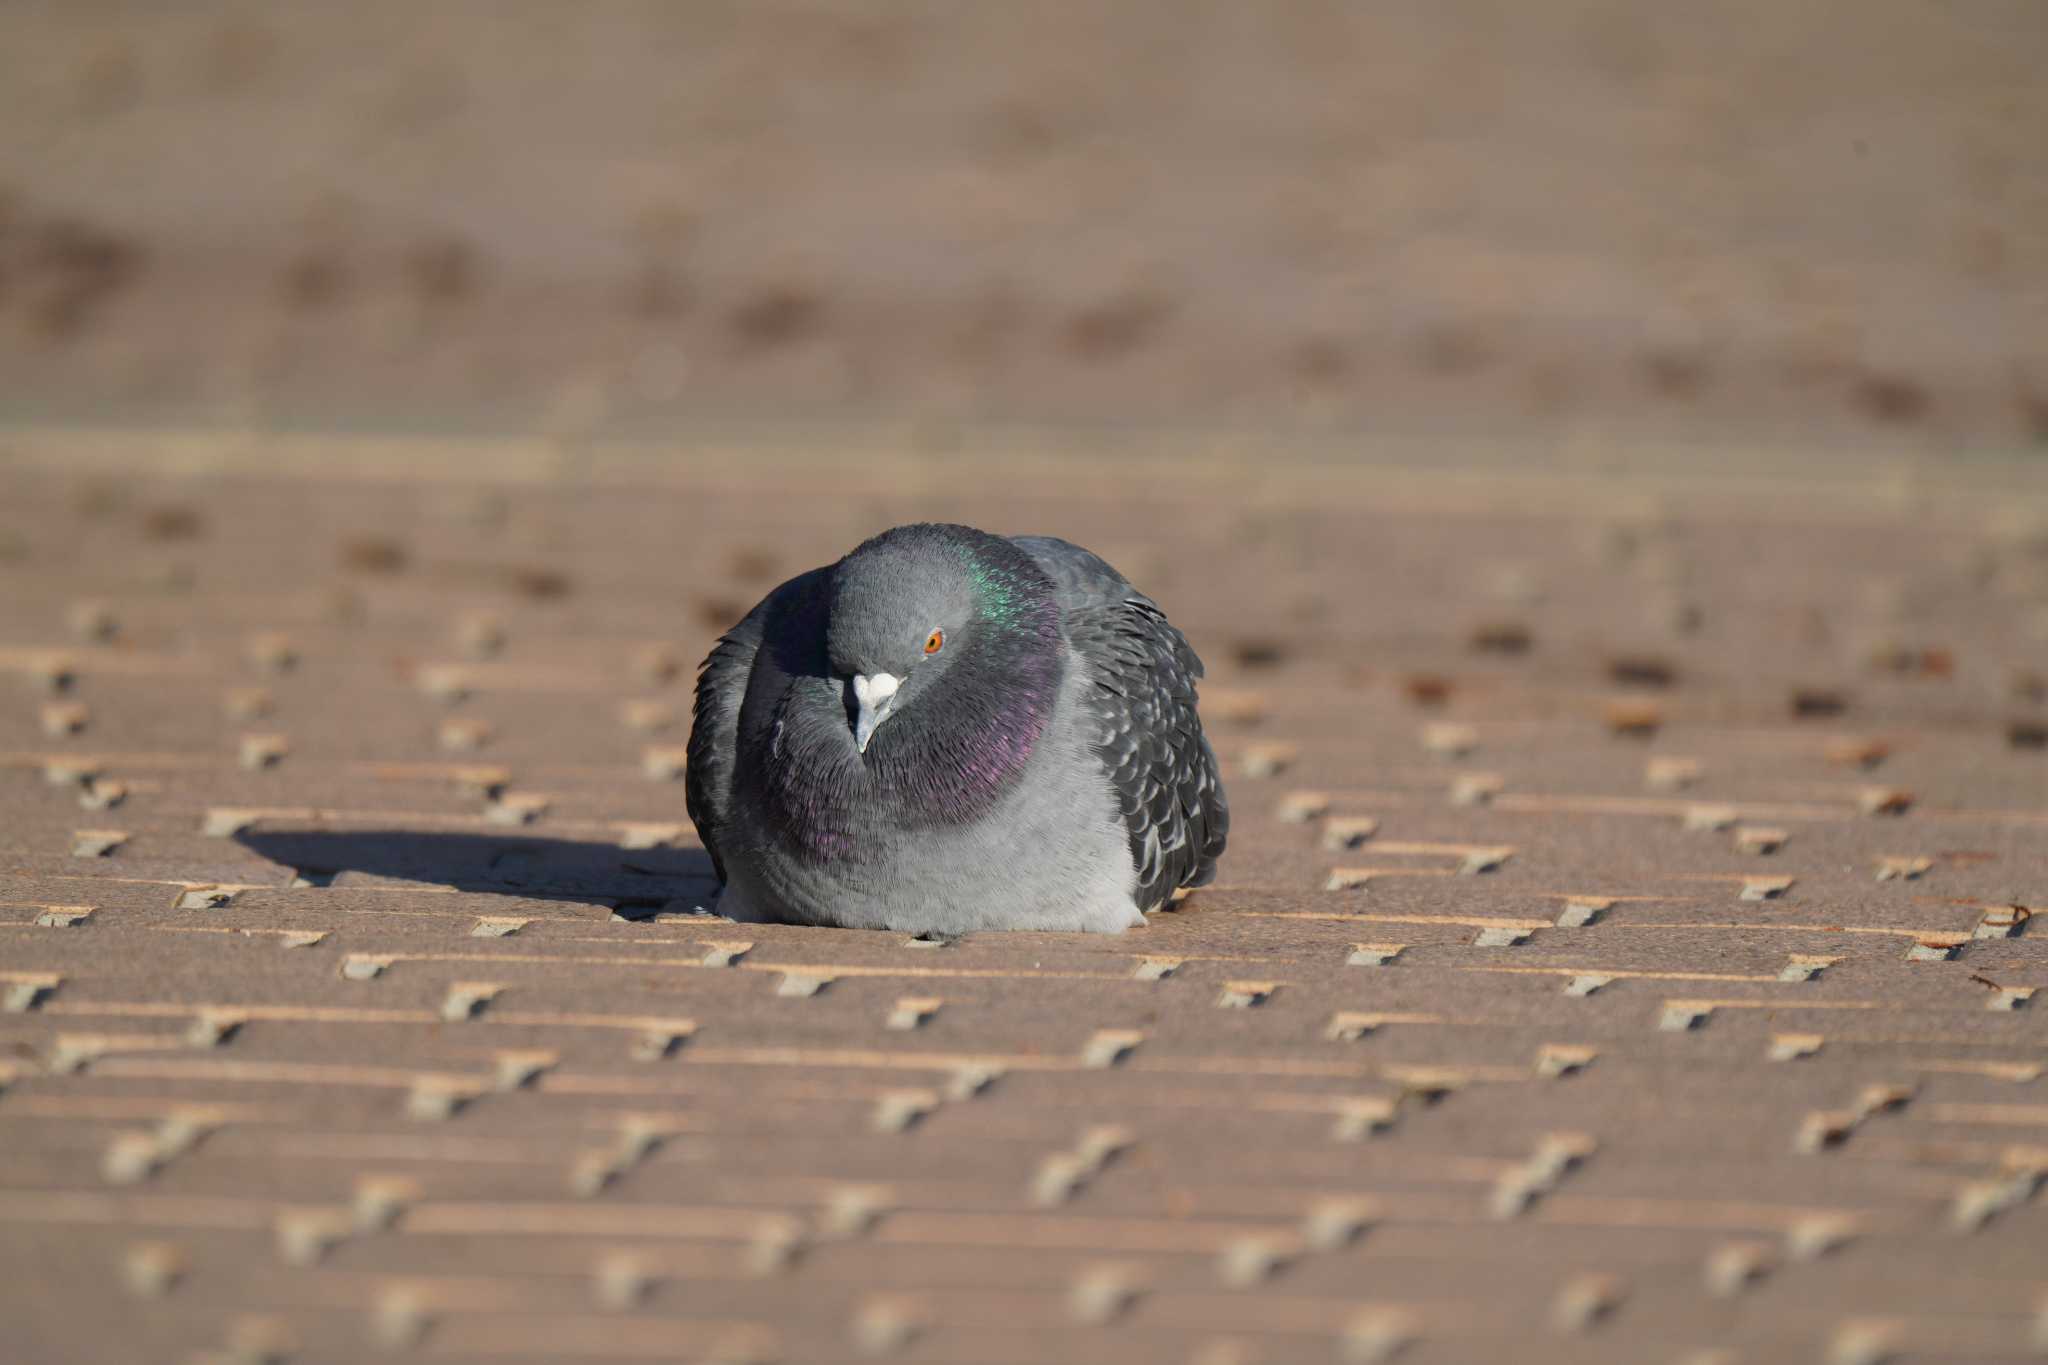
(1617, 957)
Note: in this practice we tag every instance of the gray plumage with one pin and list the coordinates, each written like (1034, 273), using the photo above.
(948, 730)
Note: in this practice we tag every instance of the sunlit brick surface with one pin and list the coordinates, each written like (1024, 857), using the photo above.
(1623, 953)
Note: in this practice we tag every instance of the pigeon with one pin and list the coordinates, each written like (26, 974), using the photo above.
(949, 731)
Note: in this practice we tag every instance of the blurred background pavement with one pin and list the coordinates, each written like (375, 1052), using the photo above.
(1582, 222)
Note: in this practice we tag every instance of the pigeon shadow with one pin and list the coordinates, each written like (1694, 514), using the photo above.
(637, 882)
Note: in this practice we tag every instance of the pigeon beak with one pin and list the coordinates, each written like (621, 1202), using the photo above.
(873, 693)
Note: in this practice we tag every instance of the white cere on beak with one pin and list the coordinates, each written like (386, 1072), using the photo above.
(873, 693)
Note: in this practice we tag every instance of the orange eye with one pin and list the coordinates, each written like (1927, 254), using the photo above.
(935, 642)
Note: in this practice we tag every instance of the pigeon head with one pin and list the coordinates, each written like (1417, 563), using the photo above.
(947, 642)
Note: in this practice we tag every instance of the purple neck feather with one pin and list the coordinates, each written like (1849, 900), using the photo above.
(949, 761)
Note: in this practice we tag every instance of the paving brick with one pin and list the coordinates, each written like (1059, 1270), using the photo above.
(332, 1033)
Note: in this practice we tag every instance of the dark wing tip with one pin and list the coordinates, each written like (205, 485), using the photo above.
(1161, 767)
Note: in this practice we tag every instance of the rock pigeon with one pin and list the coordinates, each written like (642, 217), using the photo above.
(949, 731)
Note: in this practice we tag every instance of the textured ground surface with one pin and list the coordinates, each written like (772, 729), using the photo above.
(1825, 221)
(1615, 959)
